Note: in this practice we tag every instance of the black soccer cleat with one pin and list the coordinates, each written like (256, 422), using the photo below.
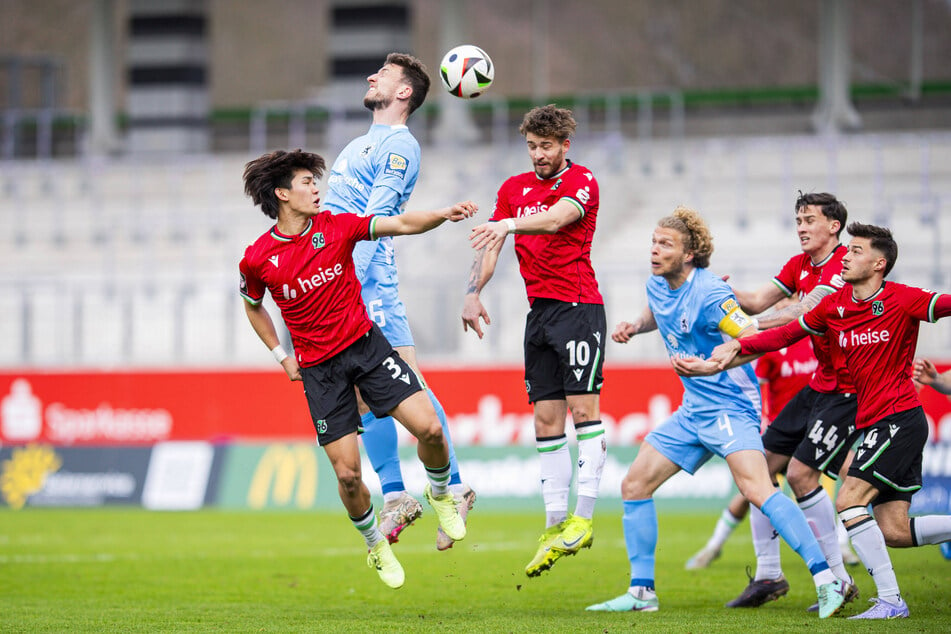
(760, 591)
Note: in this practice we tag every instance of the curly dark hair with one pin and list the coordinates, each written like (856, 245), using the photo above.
(549, 122)
(276, 169)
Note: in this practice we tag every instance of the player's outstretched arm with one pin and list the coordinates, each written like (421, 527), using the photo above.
(264, 327)
(483, 266)
(783, 316)
(626, 330)
(413, 222)
(549, 221)
(755, 302)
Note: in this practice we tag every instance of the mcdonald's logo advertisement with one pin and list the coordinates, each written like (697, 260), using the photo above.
(292, 476)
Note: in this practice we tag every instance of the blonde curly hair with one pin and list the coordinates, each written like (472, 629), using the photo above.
(697, 237)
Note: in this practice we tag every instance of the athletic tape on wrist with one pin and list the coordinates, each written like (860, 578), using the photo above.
(510, 223)
(279, 353)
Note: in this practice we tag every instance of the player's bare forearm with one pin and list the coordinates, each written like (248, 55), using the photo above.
(419, 221)
(783, 316)
(754, 302)
(483, 266)
(262, 324)
(626, 330)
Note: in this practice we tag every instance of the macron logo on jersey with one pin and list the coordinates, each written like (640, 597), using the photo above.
(525, 190)
(273, 260)
(803, 274)
(865, 338)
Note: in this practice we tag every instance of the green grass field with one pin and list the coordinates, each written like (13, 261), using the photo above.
(129, 570)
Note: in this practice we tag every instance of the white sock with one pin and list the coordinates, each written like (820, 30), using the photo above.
(931, 529)
(555, 462)
(722, 531)
(766, 544)
(368, 527)
(592, 453)
(869, 544)
(817, 507)
(841, 534)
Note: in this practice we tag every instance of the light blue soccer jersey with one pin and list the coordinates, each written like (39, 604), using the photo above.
(375, 175)
(688, 318)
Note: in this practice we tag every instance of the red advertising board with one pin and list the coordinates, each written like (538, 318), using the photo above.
(486, 406)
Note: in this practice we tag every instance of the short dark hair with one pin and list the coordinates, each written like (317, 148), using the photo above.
(832, 208)
(276, 169)
(414, 72)
(880, 239)
(548, 122)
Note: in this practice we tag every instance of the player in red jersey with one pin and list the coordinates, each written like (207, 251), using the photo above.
(305, 261)
(872, 326)
(808, 437)
(553, 212)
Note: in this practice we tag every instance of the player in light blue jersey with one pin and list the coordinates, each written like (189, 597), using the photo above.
(375, 175)
(695, 311)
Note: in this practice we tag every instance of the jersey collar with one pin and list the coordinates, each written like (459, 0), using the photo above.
(567, 167)
(280, 237)
(826, 259)
(870, 297)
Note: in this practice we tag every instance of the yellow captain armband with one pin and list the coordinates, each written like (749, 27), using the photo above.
(736, 321)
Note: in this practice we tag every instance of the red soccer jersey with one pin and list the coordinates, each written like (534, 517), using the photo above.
(876, 338)
(785, 372)
(800, 276)
(555, 266)
(312, 280)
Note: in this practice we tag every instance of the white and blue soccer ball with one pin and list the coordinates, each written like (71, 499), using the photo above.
(466, 71)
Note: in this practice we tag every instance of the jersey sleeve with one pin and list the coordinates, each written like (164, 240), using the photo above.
(723, 309)
(814, 322)
(923, 304)
(581, 190)
(397, 165)
(502, 208)
(251, 287)
(772, 339)
(788, 276)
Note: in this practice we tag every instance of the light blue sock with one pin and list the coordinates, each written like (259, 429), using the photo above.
(791, 524)
(454, 477)
(379, 440)
(640, 535)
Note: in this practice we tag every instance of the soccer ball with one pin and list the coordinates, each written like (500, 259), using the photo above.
(466, 71)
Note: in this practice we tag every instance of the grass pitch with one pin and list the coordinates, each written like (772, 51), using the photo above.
(130, 570)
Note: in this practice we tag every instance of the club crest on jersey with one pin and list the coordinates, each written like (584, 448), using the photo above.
(396, 165)
(556, 185)
(366, 151)
(878, 307)
(684, 324)
(318, 240)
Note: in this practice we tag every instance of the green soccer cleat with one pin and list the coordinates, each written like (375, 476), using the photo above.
(578, 533)
(642, 600)
(387, 566)
(545, 557)
(449, 519)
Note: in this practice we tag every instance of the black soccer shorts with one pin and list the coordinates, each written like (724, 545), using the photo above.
(889, 457)
(370, 363)
(564, 349)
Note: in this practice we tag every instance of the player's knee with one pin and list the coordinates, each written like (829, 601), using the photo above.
(430, 433)
(349, 480)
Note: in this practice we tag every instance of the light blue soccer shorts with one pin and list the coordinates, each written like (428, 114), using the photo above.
(689, 440)
(381, 296)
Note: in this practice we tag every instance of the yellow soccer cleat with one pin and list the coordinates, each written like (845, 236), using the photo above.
(545, 557)
(387, 566)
